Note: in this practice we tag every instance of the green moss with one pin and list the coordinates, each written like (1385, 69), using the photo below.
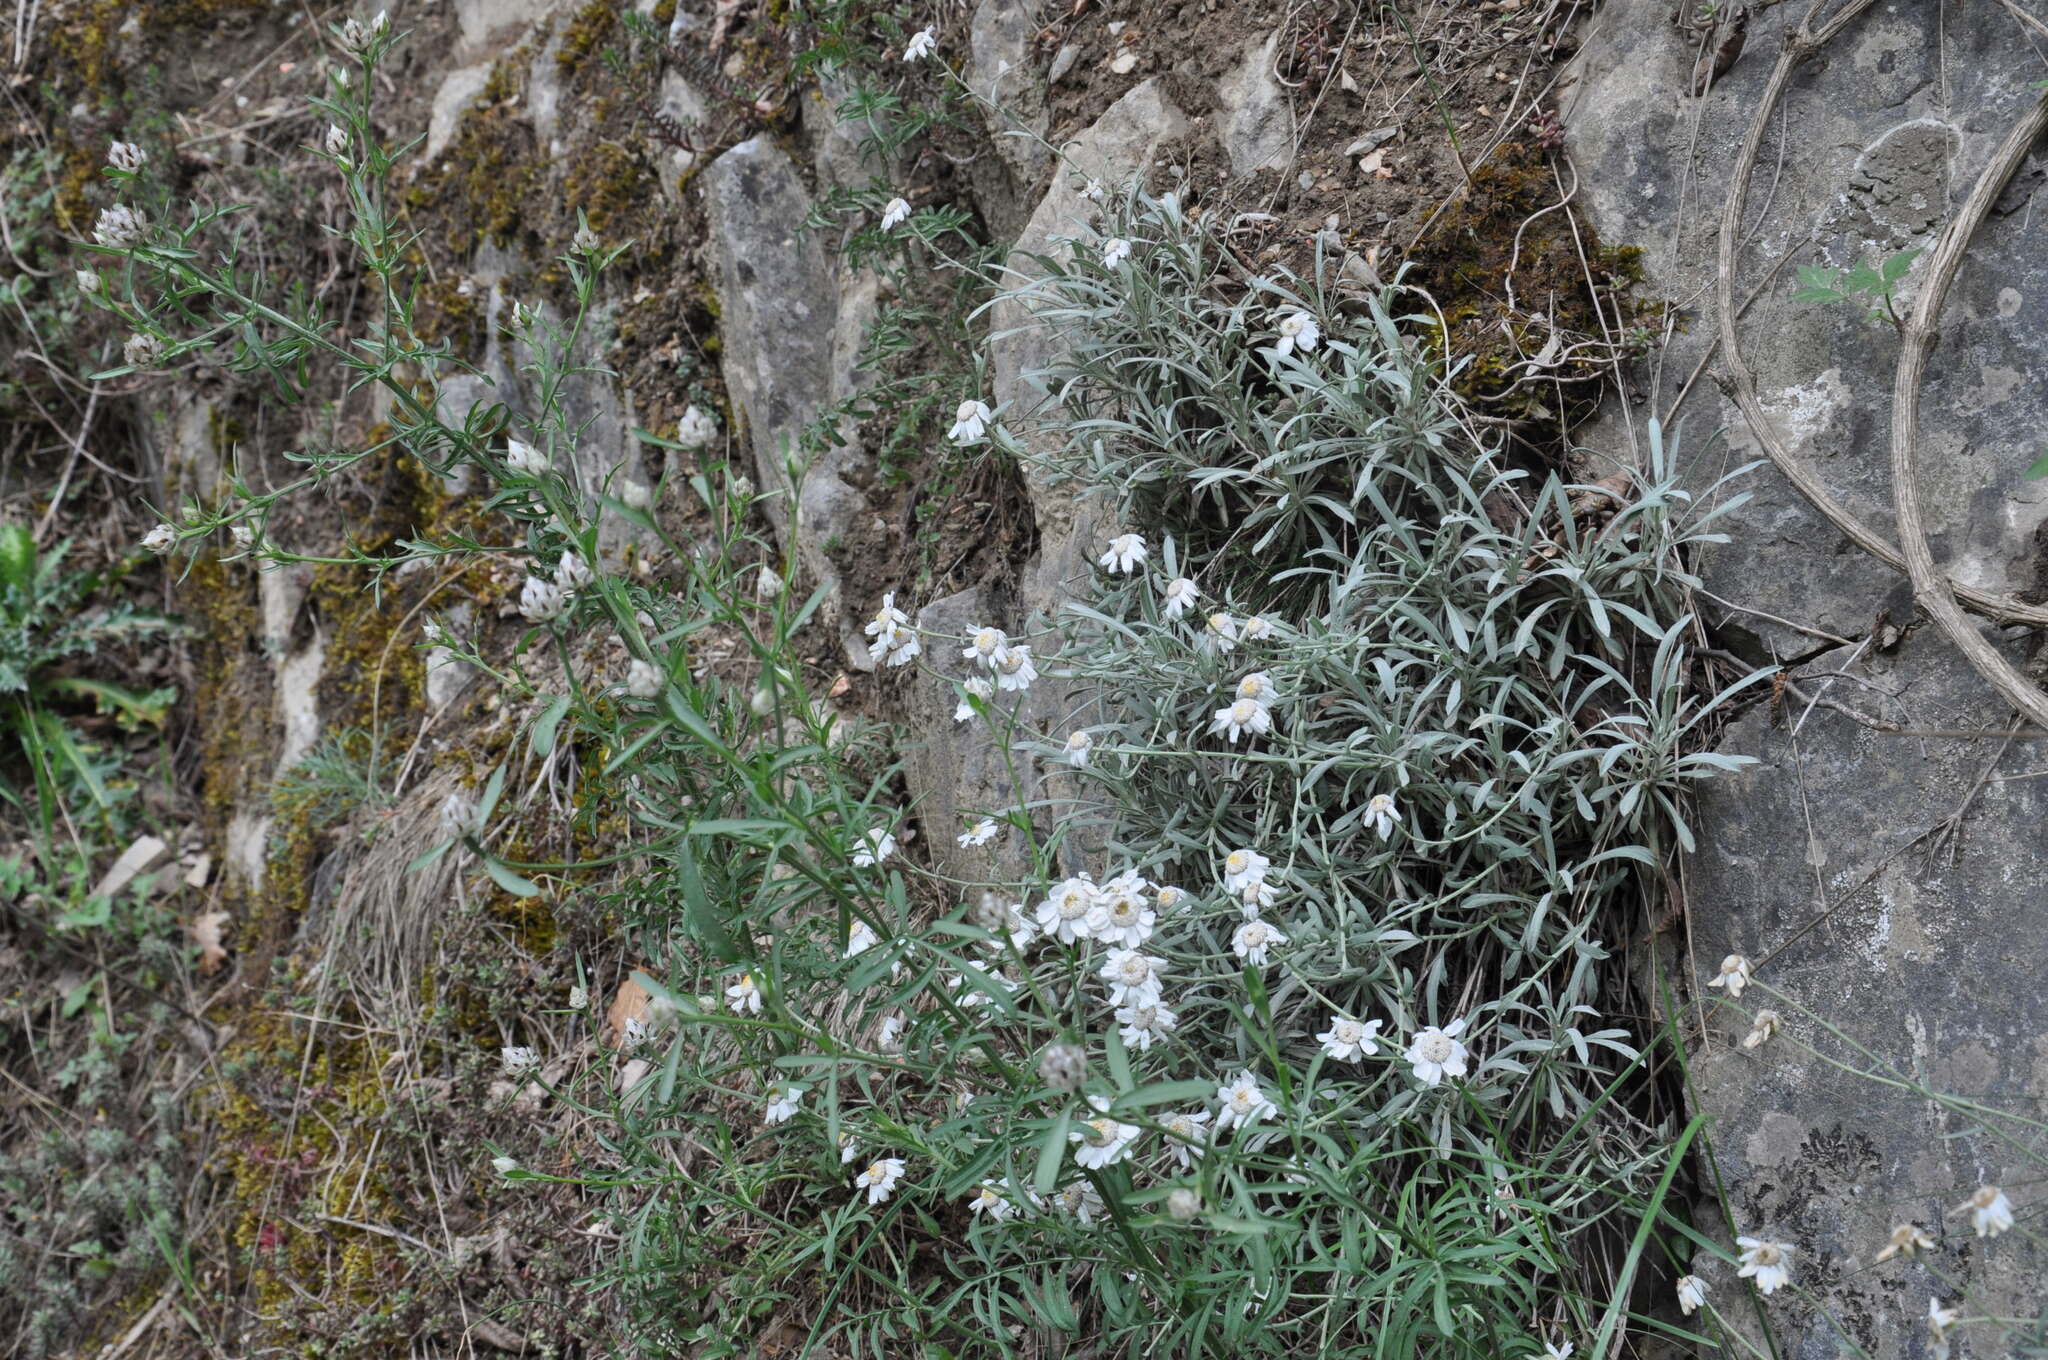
(585, 35)
(1507, 280)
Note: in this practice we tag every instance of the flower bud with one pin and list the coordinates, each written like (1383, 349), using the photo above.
(1063, 1067)
(572, 572)
(643, 679)
(541, 601)
(143, 351)
(120, 226)
(524, 459)
(695, 429)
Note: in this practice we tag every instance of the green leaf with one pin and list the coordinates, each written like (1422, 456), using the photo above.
(1119, 1061)
(1049, 1153)
(494, 787)
(542, 739)
(510, 881)
(1165, 1093)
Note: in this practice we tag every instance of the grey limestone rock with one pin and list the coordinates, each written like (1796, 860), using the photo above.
(1891, 882)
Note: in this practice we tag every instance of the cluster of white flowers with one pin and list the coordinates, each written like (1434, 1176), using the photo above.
(355, 36)
(1250, 711)
(895, 641)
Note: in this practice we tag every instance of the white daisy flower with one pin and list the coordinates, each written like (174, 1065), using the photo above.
(743, 997)
(1761, 1027)
(979, 985)
(1259, 688)
(782, 1103)
(1381, 814)
(1298, 331)
(644, 679)
(1258, 897)
(1080, 1199)
(1436, 1053)
(519, 1060)
(1121, 916)
(874, 847)
(1990, 1211)
(989, 1200)
(981, 833)
(1005, 920)
(1133, 977)
(1101, 1141)
(1181, 595)
(1348, 1040)
(1765, 1262)
(1243, 715)
(860, 938)
(1014, 673)
(524, 460)
(1078, 746)
(1065, 913)
(895, 214)
(895, 647)
(1253, 939)
(1145, 1025)
(541, 600)
(1186, 1138)
(987, 647)
(1115, 251)
(974, 687)
(1940, 1322)
(1124, 553)
(970, 422)
(161, 539)
(1244, 1104)
(1218, 636)
(1692, 1294)
(1908, 1239)
(1241, 868)
(880, 1179)
(1734, 975)
(922, 44)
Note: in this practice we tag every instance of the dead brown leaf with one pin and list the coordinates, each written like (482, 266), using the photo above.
(206, 933)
